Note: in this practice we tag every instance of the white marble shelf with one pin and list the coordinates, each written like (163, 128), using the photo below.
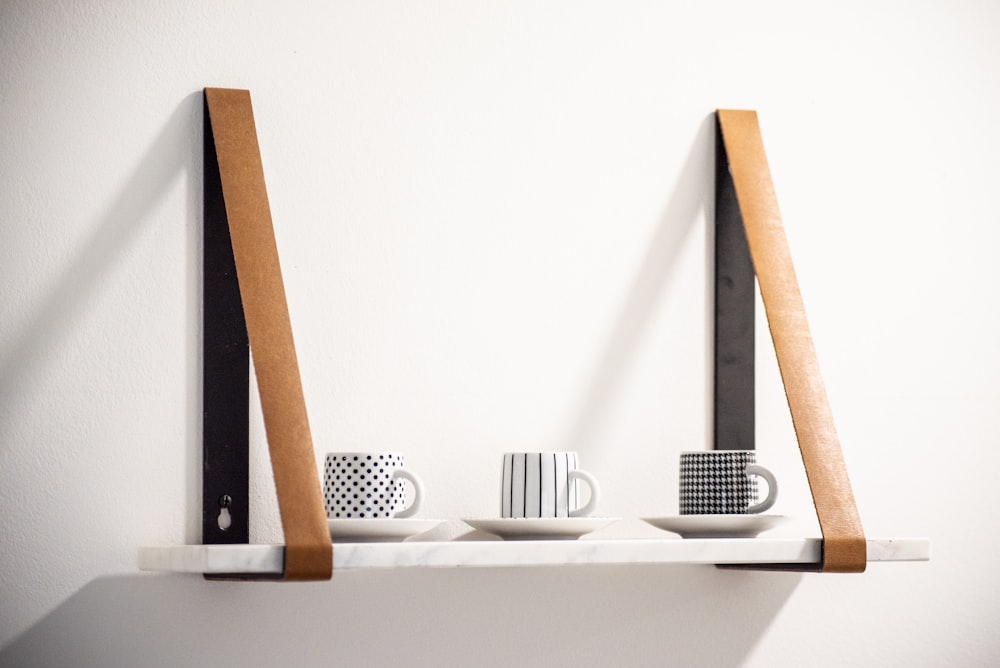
(269, 559)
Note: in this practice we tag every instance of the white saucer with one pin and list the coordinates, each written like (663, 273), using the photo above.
(716, 526)
(378, 529)
(544, 528)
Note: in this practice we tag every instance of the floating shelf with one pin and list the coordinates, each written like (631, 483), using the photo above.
(245, 306)
(269, 560)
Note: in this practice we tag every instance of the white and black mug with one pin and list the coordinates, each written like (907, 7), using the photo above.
(723, 482)
(544, 484)
(368, 485)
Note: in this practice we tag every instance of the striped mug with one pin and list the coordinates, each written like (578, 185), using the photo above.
(544, 484)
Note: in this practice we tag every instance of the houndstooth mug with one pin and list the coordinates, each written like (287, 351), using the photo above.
(723, 482)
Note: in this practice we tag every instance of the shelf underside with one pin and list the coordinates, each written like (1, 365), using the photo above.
(269, 559)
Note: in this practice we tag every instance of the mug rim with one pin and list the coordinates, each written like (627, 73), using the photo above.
(375, 453)
(714, 452)
(542, 452)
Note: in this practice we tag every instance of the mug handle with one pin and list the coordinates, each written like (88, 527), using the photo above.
(595, 492)
(772, 488)
(418, 492)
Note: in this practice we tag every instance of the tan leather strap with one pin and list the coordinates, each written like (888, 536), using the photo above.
(308, 549)
(844, 545)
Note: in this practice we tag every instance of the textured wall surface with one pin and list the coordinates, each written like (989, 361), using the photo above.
(493, 221)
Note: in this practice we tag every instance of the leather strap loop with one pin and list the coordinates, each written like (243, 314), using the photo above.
(844, 545)
(308, 548)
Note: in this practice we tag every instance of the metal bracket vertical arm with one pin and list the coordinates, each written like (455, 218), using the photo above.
(226, 370)
(735, 293)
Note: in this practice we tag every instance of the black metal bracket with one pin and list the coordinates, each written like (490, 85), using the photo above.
(226, 368)
(735, 294)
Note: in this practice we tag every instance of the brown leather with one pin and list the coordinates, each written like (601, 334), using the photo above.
(308, 549)
(844, 545)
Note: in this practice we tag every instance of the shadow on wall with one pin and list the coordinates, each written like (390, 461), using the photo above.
(581, 616)
(175, 151)
(170, 154)
(692, 194)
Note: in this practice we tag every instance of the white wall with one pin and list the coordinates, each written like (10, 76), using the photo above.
(492, 224)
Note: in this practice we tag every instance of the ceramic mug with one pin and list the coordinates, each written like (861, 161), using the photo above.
(544, 484)
(723, 482)
(368, 485)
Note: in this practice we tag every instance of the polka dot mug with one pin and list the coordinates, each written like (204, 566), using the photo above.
(368, 485)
